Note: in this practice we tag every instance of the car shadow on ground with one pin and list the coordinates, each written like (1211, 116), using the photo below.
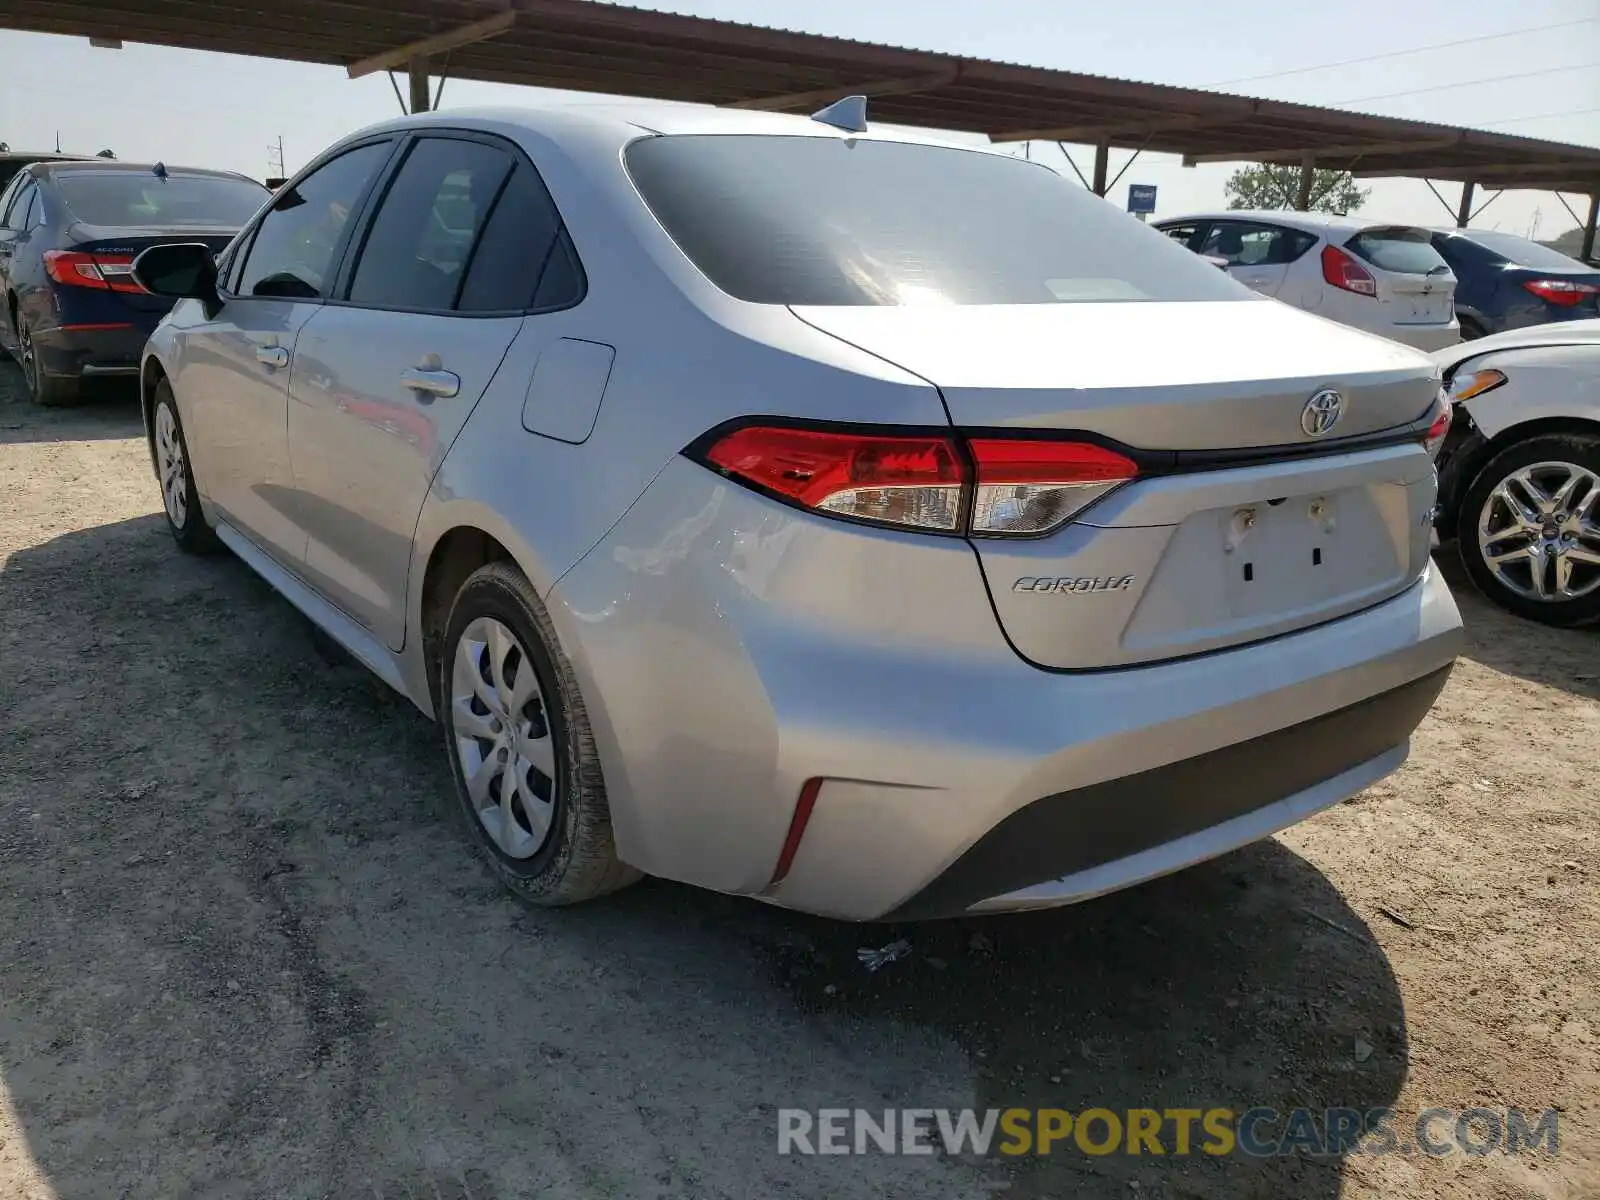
(1568, 659)
(250, 958)
(109, 408)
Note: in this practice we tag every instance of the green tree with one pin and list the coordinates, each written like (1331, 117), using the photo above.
(1267, 185)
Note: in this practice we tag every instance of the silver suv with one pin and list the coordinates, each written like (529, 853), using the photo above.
(869, 525)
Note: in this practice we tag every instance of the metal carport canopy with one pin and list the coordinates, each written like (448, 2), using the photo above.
(590, 47)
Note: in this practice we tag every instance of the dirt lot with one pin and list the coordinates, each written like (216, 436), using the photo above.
(246, 956)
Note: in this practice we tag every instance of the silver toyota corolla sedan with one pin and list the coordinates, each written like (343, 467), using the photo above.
(871, 525)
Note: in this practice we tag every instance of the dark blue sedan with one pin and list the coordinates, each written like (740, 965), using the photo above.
(69, 232)
(1507, 282)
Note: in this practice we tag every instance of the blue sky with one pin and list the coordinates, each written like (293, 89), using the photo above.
(205, 109)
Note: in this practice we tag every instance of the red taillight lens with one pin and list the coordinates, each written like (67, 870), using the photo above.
(1343, 271)
(1033, 486)
(106, 272)
(914, 481)
(1433, 440)
(1010, 486)
(1562, 292)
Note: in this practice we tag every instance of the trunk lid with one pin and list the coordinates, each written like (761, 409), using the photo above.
(129, 243)
(1415, 284)
(1244, 524)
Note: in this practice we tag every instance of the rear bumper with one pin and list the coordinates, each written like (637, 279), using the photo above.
(1426, 338)
(1082, 843)
(730, 649)
(71, 352)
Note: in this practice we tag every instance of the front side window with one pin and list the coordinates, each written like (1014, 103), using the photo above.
(297, 244)
(417, 252)
(849, 221)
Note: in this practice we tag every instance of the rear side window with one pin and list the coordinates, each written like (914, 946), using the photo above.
(298, 240)
(416, 253)
(35, 214)
(1404, 251)
(16, 205)
(136, 198)
(522, 244)
(837, 221)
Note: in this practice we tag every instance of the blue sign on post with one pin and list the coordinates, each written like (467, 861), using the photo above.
(1141, 197)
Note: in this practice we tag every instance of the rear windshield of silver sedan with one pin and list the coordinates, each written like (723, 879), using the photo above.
(836, 221)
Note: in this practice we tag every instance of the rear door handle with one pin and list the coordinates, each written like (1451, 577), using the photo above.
(435, 383)
(272, 356)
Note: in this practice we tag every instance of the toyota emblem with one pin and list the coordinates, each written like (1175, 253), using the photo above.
(1322, 412)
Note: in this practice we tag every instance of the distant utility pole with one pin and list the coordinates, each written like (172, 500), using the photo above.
(275, 160)
(58, 141)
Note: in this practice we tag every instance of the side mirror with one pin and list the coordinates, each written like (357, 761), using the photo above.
(182, 270)
(1216, 260)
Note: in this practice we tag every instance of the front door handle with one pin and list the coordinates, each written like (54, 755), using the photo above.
(435, 383)
(272, 356)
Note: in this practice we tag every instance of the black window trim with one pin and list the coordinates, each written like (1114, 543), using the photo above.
(246, 242)
(351, 253)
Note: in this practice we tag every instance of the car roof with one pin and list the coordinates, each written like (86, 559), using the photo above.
(626, 120)
(1309, 221)
(78, 166)
(41, 155)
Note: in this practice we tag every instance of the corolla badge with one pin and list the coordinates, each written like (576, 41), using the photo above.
(1322, 412)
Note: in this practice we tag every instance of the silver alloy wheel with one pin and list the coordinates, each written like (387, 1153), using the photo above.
(174, 470)
(502, 730)
(1539, 531)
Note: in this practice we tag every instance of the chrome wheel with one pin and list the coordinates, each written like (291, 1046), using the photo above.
(1539, 532)
(173, 469)
(502, 735)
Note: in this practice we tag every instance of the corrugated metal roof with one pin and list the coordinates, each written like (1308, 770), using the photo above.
(584, 46)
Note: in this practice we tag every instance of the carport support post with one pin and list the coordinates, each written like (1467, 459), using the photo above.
(1588, 226)
(1464, 213)
(419, 85)
(1308, 176)
(1102, 156)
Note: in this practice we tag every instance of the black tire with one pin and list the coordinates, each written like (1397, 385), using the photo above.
(578, 859)
(1581, 450)
(48, 391)
(1471, 330)
(190, 529)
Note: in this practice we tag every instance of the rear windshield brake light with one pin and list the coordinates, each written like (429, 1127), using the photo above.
(987, 487)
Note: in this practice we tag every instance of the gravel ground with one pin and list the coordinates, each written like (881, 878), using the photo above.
(249, 957)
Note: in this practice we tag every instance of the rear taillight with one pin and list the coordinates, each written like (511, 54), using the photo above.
(916, 481)
(1341, 269)
(106, 272)
(991, 487)
(1562, 292)
(1439, 429)
(1027, 487)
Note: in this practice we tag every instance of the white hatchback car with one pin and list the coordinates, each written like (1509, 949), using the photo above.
(1385, 279)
